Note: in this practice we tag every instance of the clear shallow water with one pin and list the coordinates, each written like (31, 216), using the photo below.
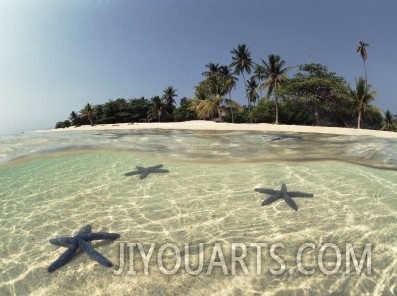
(54, 183)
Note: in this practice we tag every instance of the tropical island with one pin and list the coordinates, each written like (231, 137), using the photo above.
(313, 96)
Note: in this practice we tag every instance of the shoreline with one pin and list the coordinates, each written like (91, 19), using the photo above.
(223, 126)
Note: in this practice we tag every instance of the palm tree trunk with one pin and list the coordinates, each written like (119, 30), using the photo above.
(359, 120)
(276, 105)
(365, 73)
(231, 107)
(260, 92)
(249, 102)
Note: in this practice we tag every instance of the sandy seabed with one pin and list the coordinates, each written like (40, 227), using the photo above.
(222, 126)
(201, 202)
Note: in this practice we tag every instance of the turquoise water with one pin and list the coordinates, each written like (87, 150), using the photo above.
(52, 184)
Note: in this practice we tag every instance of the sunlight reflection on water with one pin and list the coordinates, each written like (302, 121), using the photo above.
(208, 196)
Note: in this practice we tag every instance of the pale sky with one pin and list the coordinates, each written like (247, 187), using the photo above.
(55, 56)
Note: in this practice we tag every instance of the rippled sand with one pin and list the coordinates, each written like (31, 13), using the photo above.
(197, 202)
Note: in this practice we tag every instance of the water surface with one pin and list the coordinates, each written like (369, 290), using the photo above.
(52, 184)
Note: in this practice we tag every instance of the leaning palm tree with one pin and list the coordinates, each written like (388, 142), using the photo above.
(203, 103)
(275, 74)
(242, 63)
(209, 96)
(362, 49)
(88, 112)
(362, 95)
(206, 109)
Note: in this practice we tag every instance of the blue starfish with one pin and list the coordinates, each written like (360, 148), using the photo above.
(81, 240)
(146, 171)
(284, 194)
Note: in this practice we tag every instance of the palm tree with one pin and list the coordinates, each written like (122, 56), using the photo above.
(88, 112)
(73, 117)
(202, 103)
(362, 49)
(252, 92)
(229, 79)
(209, 94)
(156, 109)
(275, 74)
(230, 82)
(168, 99)
(259, 75)
(362, 95)
(389, 123)
(206, 108)
(242, 62)
(233, 105)
(212, 69)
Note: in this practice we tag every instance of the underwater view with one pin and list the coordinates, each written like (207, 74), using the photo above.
(180, 212)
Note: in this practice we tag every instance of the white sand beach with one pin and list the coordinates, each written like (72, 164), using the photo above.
(210, 125)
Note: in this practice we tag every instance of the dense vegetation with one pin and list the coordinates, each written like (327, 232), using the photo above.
(312, 96)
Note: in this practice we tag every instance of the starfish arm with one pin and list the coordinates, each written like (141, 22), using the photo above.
(132, 173)
(65, 257)
(64, 241)
(299, 194)
(86, 247)
(144, 174)
(291, 202)
(161, 171)
(270, 199)
(284, 189)
(99, 235)
(266, 191)
(155, 167)
(85, 229)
